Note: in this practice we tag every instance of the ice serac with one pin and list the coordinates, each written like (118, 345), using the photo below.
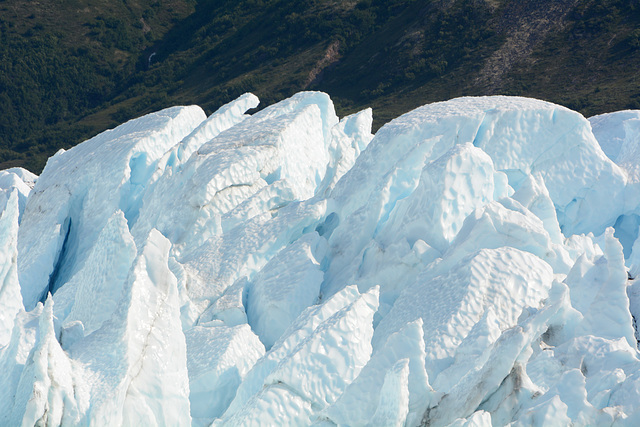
(534, 196)
(451, 302)
(51, 391)
(411, 222)
(272, 158)
(81, 188)
(348, 138)
(13, 357)
(10, 297)
(18, 179)
(507, 223)
(222, 119)
(136, 361)
(486, 378)
(324, 353)
(300, 329)
(522, 136)
(588, 379)
(218, 359)
(313, 364)
(104, 273)
(393, 407)
(619, 136)
(288, 283)
(223, 260)
(361, 398)
(450, 188)
(599, 292)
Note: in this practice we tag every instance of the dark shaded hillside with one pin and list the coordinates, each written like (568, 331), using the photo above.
(70, 71)
(61, 60)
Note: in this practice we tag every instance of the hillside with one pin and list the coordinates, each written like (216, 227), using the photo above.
(71, 71)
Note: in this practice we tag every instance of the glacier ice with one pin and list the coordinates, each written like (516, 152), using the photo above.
(16, 179)
(618, 134)
(403, 351)
(56, 238)
(10, 297)
(104, 273)
(473, 263)
(218, 359)
(286, 285)
(50, 390)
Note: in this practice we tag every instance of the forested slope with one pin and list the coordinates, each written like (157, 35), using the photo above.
(74, 69)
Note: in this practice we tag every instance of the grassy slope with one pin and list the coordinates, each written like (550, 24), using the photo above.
(92, 69)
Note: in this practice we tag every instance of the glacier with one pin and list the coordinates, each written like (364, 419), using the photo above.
(473, 263)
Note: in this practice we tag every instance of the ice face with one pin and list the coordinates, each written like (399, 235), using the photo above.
(136, 361)
(452, 302)
(465, 266)
(272, 158)
(287, 284)
(218, 359)
(402, 354)
(104, 273)
(522, 136)
(83, 187)
(10, 298)
(618, 134)
(20, 180)
(450, 188)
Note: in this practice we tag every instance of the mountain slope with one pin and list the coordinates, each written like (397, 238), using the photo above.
(90, 65)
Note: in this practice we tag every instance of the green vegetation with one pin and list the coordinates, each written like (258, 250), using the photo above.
(74, 68)
(60, 61)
